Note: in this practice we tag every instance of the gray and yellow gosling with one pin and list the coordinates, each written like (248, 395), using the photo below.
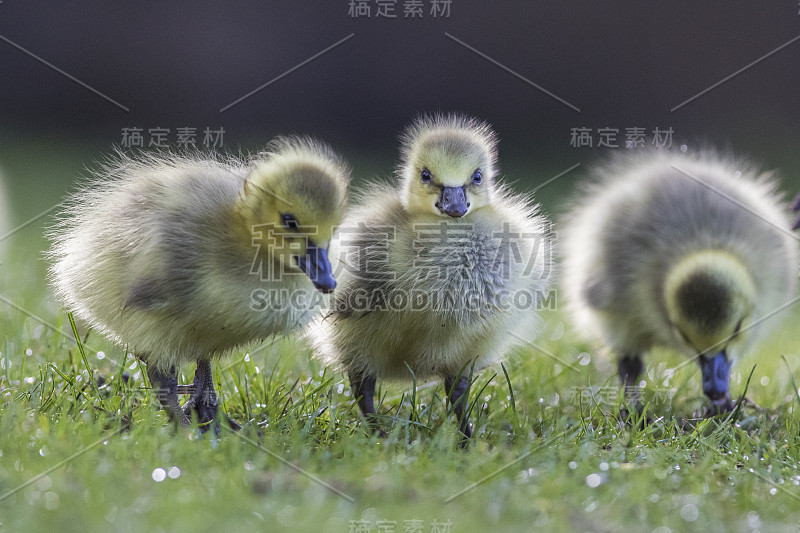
(185, 257)
(442, 272)
(693, 253)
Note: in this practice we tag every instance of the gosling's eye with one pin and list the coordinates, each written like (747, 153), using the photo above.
(738, 328)
(477, 177)
(289, 221)
(425, 175)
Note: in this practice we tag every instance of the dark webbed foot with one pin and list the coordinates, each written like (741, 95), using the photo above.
(364, 391)
(457, 390)
(165, 385)
(722, 407)
(629, 368)
(203, 403)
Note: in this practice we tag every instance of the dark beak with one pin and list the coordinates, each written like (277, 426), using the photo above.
(453, 201)
(317, 267)
(716, 374)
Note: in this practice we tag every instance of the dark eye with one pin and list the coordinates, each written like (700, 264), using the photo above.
(477, 177)
(289, 221)
(425, 175)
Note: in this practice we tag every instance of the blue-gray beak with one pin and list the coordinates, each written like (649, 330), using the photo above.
(453, 201)
(317, 267)
(716, 374)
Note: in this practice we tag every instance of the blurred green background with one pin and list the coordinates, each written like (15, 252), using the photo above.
(619, 65)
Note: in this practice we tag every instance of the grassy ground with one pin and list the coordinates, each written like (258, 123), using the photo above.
(548, 453)
(96, 455)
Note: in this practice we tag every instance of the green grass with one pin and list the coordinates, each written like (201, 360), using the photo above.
(549, 456)
(79, 453)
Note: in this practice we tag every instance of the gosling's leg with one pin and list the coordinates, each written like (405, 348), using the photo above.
(629, 368)
(458, 394)
(204, 400)
(165, 385)
(363, 388)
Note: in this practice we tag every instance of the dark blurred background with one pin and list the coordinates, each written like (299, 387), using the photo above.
(176, 64)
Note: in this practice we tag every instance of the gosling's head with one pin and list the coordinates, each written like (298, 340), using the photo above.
(709, 298)
(299, 188)
(448, 165)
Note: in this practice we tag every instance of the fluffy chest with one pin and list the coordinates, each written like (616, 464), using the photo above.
(456, 258)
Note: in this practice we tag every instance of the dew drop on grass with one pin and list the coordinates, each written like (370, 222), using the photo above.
(174, 472)
(44, 483)
(159, 475)
(111, 515)
(28, 352)
(101, 355)
(764, 381)
(593, 480)
(51, 501)
(604, 466)
(585, 359)
(689, 512)
(247, 357)
(573, 465)
(773, 491)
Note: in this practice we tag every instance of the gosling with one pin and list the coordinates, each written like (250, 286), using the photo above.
(441, 274)
(185, 257)
(691, 253)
